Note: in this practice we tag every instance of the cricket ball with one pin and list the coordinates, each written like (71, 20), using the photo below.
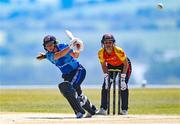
(160, 6)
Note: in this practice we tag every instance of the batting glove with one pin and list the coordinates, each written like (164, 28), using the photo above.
(41, 56)
(72, 43)
(123, 83)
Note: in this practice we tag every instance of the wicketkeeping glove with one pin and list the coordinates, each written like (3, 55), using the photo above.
(123, 83)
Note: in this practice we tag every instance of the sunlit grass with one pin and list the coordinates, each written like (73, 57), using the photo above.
(141, 101)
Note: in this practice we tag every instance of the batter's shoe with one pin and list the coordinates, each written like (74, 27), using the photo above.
(88, 115)
(79, 115)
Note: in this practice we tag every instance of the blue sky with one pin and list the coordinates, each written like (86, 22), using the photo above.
(148, 35)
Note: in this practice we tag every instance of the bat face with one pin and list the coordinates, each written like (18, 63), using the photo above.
(69, 34)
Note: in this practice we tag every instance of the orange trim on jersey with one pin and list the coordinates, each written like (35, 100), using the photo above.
(116, 58)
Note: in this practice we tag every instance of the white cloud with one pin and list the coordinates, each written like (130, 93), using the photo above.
(171, 54)
(49, 1)
(2, 38)
(138, 72)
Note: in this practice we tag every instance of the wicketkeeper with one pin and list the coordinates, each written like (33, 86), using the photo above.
(63, 56)
(113, 57)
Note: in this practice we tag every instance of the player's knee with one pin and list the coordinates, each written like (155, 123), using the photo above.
(61, 86)
(104, 90)
(76, 85)
(64, 85)
(104, 86)
(124, 91)
(65, 88)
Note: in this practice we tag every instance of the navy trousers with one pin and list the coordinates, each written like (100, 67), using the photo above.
(124, 94)
(76, 78)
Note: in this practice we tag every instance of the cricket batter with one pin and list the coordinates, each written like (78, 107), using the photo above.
(63, 56)
(113, 57)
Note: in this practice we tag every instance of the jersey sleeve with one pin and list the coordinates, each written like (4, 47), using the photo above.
(50, 57)
(63, 46)
(120, 53)
(100, 56)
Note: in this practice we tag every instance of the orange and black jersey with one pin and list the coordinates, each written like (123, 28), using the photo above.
(115, 59)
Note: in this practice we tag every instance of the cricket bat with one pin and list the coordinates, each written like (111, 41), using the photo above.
(71, 37)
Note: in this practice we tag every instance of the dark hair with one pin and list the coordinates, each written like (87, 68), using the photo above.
(47, 39)
(107, 36)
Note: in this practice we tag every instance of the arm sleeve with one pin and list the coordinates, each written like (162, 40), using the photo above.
(120, 53)
(49, 56)
(100, 56)
(63, 46)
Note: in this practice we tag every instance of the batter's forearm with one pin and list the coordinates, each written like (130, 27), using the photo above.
(75, 54)
(62, 53)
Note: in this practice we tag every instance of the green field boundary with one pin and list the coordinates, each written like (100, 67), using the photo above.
(141, 100)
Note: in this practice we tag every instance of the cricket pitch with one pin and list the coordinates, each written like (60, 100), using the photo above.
(51, 118)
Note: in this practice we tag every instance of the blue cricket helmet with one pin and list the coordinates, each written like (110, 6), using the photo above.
(49, 38)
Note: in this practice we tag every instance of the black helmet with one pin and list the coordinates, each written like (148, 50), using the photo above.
(107, 37)
(49, 38)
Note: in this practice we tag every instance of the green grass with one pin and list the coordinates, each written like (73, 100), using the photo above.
(141, 101)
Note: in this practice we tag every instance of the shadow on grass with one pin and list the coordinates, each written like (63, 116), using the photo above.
(51, 117)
